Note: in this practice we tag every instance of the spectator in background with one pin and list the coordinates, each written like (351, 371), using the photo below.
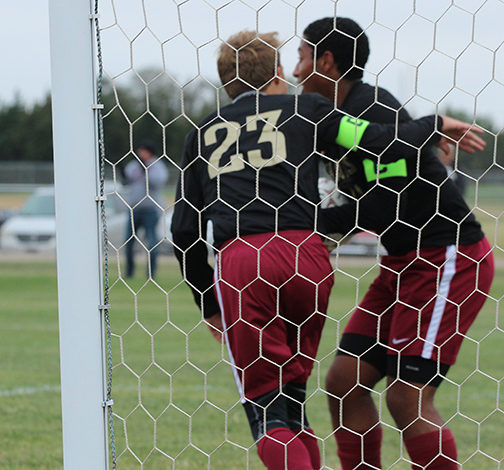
(146, 177)
(448, 160)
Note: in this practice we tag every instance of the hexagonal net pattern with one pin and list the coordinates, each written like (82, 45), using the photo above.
(343, 267)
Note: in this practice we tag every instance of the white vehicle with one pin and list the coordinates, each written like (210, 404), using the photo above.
(33, 228)
(361, 244)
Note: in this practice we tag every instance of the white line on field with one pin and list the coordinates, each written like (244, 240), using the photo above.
(19, 391)
(29, 390)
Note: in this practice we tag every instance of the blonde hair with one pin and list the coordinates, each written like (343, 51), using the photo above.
(257, 58)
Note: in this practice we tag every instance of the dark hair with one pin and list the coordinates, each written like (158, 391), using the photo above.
(345, 39)
(149, 145)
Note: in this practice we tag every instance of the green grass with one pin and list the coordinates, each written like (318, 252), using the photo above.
(173, 390)
(30, 431)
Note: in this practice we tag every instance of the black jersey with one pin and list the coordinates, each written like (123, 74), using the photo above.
(411, 204)
(252, 168)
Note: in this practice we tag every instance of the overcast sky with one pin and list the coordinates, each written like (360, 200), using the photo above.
(440, 54)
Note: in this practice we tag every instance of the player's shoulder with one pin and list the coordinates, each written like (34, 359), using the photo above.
(308, 105)
(385, 97)
(211, 118)
(214, 117)
(191, 142)
(297, 99)
(315, 107)
(373, 103)
(314, 99)
(365, 94)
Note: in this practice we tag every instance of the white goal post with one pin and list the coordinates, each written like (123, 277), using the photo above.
(80, 287)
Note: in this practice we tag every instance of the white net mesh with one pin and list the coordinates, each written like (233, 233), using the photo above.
(176, 403)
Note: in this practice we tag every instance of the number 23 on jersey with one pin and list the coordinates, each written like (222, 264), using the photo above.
(254, 156)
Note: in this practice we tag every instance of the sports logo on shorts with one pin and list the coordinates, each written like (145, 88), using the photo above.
(399, 341)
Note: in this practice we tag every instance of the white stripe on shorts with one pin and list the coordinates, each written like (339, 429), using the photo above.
(440, 304)
(231, 358)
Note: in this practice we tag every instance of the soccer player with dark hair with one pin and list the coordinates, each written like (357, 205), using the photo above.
(431, 286)
(252, 168)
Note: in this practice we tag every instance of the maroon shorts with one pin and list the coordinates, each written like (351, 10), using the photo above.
(273, 291)
(423, 305)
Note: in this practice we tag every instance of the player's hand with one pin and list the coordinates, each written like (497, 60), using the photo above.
(214, 324)
(461, 133)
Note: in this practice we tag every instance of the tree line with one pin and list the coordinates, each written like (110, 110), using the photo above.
(153, 105)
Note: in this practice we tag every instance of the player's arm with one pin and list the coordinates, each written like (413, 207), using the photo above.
(461, 133)
(374, 211)
(189, 232)
(406, 138)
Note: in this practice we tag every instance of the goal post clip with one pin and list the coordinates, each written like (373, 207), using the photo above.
(107, 403)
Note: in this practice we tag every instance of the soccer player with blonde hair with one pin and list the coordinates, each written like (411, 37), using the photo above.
(249, 62)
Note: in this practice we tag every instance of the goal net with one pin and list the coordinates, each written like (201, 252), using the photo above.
(176, 404)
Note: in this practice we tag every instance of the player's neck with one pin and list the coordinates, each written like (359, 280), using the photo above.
(336, 89)
(342, 88)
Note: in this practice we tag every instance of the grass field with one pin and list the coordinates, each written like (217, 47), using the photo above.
(165, 360)
(176, 404)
